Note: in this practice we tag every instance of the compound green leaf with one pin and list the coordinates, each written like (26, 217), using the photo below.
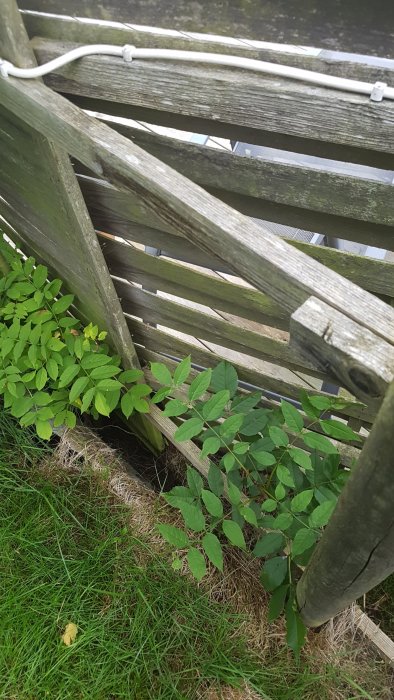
(213, 550)
(196, 563)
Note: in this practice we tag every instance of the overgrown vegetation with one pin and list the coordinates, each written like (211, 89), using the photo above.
(277, 466)
(51, 365)
(67, 555)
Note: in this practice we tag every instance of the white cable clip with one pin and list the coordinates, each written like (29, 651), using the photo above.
(377, 93)
(4, 65)
(128, 52)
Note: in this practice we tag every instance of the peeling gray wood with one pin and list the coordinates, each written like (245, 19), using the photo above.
(278, 106)
(331, 62)
(360, 361)
(159, 341)
(356, 551)
(171, 277)
(39, 185)
(357, 26)
(286, 274)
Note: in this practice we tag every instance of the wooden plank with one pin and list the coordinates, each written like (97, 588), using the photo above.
(334, 25)
(46, 205)
(349, 453)
(288, 275)
(297, 110)
(235, 131)
(352, 66)
(159, 341)
(356, 357)
(382, 643)
(155, 309)
(154, 272)
(362, 524)
(328, 189)
(123, 215)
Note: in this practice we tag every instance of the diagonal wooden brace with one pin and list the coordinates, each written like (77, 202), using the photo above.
(362, 361)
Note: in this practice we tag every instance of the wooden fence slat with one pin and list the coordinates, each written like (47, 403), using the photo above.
(171, 277)
(289, 108)
(160, 341)
(322, 188)
(288, 275)
(331, 62)
(349, 453)
(362, 524)
(156, 309)
(46, 204)
(123, 215)
(333, 25)
(236, 132)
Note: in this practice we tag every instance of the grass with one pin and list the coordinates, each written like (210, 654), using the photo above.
(144, 632)
(380, 605)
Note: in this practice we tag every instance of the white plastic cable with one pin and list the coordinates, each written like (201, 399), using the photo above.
(376, 91)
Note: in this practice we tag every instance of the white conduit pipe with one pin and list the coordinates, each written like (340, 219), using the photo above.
(376, 91)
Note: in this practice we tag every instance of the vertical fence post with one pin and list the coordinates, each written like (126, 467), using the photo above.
(77, 257)
(356, 551)
(65, 228)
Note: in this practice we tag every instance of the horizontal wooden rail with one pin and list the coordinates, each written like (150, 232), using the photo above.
(297, 111)
(332, 62)
(341, 190)
(123, 215)
(349, 453)
(166, 343)
(286, 274)
(234, 131)
(156, 309)
(333, 25)
(352, 205)
(134, 265)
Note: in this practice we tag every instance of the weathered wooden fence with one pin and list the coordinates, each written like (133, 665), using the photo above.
(298, 314)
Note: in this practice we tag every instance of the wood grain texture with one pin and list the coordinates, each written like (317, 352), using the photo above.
(279, 106)
(354, 26)
(236, 131)
(156, 309)
(362, 524)
(381, 641)
(278, 178)
(348, 453)
(353, 66)
(159, 341)
(359, 359)
(288, 275)
(157, 273)
(46, 207)
(124, 215)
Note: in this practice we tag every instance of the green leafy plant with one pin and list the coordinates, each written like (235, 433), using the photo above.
(278, 468)
(50, 365)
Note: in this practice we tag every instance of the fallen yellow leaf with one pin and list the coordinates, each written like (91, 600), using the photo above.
(70, 633)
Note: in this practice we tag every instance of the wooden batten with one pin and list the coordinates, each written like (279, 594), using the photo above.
(334, 25)
(64, 28)
(42, 201)
(297, 116)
